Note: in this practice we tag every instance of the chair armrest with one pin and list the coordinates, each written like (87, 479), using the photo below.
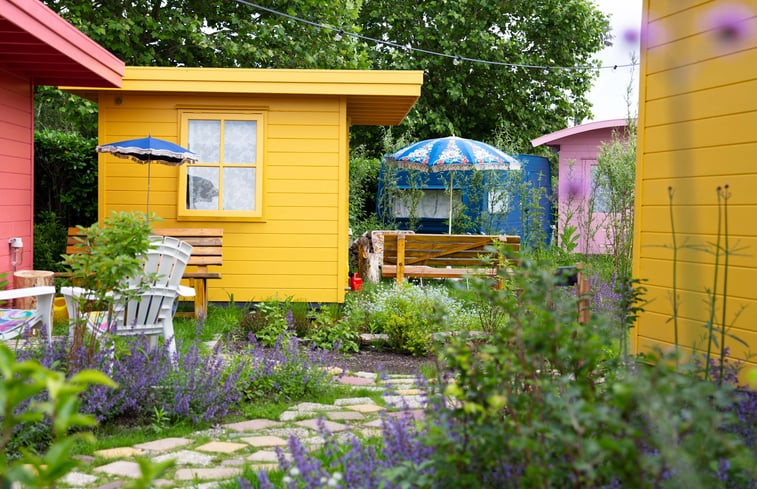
(185, 291)
(27, 292)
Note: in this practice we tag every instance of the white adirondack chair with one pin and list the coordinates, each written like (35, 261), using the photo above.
(13, 322)
(151, 313)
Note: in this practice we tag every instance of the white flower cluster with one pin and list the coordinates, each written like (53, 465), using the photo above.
(332, 481)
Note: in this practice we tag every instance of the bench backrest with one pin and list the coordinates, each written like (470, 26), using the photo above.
(443, 250)
(206, 243)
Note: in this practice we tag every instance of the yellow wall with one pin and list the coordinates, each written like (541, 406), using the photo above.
(299, 249)
(697, 131)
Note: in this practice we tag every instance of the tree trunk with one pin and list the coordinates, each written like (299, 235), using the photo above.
(30, 278)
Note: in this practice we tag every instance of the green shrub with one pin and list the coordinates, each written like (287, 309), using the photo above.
(409, 314)
(49, 242)
(329, 331)
(32, 393)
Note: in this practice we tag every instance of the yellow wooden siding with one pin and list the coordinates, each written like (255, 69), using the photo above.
(299, 249)
(697, 119)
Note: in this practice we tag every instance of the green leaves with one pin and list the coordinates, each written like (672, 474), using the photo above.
(21, 387)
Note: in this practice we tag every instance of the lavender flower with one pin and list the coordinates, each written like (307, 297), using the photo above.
(729, 21)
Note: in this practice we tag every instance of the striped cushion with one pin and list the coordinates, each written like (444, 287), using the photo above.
(12, 320)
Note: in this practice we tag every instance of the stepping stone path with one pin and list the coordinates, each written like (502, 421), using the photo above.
(207, 458)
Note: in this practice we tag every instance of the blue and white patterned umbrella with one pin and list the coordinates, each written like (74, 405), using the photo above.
(450, 154)
(149, 150)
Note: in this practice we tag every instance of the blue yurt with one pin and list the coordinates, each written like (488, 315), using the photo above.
(515, 202)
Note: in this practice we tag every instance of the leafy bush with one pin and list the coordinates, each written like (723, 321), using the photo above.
(286, 372)
(542, 404)
(31, 394)
(408, 313)
(49, 242)
(267, 322)
(65, 176)
(329, 331)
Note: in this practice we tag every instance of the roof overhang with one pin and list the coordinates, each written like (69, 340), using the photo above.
(555, 138)
(373, 97)
(38, 44)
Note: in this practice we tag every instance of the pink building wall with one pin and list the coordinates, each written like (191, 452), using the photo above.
(37, 47)
(16, 172)
(578, 149)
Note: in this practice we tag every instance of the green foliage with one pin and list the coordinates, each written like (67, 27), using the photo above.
(268, 321)
(364, 175)
(58, 111)
(21, 386)
(108, 255)
(616, 172)
(543, 404)
(330, 331)
(213, 34)
(49, 242)
(65, 176)
(471, 99)
(409, 314)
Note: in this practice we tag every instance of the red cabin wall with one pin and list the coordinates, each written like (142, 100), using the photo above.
(16, 168)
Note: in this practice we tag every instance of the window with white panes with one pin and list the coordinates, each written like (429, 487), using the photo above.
(226, 180)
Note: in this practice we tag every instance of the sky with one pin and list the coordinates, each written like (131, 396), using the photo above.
(608, 95)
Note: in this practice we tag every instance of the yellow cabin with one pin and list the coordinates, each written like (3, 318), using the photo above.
(697, 132)
(273, 169)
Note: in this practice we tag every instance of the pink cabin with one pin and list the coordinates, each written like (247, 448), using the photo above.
(37, 47)
(578, 148)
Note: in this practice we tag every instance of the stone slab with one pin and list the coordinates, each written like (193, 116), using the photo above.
(265, 441)
(354, 380)
(376, 423)
(123, 468)
(252, 425)
(118, 452)
(365, 408)
(313, 407)
(221, 447)
(287, 432)
(405, 402)
(163, 445)
(84, 459)
(215, 473)
(345, 416)
(409, 392)
(329, 425)
(186, 457)
(264, 456)
(233, 462)
(111, 485)
(416, 414)
(366, 375)
(291, 415)
(79, 479)
(352, 401)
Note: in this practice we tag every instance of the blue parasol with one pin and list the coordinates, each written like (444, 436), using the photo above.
(449, 154)
(149, 150)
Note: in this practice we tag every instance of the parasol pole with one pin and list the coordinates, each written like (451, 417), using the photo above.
(451, 175)
(147, 209)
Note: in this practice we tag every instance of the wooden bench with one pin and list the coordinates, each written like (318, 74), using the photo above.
(441, 255)
(407, 254)
(207, 247)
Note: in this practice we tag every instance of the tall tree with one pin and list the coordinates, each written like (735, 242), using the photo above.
(473, 99)
(219, 33)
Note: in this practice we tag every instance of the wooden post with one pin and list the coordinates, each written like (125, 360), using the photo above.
(30, 278)
(582, 293)
(400, 257)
